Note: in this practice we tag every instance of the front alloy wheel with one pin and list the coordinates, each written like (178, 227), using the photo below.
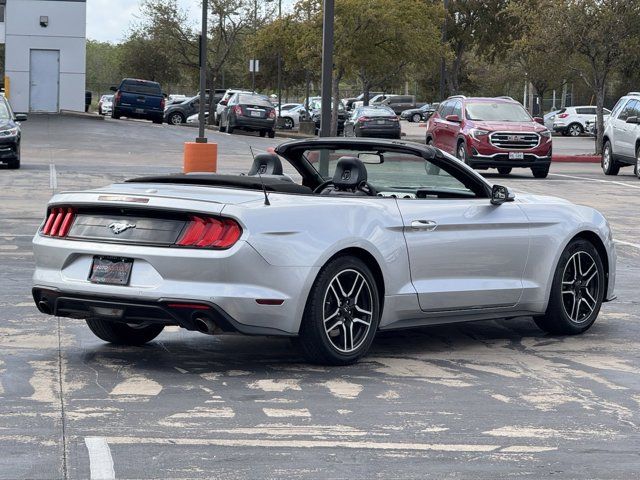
(577, 291)
(176, 119)
(341, 316)
(574, 129)
(461, 153)
(416, 117)
(609, 165)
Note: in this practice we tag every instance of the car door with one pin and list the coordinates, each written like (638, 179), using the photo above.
(451, 129)
(439, 131)
(465, 254)
(624, 139)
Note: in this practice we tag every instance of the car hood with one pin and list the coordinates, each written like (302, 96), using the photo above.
(527, 127)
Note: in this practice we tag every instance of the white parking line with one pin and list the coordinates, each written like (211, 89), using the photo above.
(365, 445)
(624, 184)
(100, 460)
(628, 244)
(53, 176)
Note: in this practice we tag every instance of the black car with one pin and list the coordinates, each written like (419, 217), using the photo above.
(421, 114)
(250, 112)
(373, 121)
(315, 111)
(177, 113)
(10, 134)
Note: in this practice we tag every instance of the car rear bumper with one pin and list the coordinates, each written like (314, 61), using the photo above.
(138, 112)
(253, 123)
(393, 132)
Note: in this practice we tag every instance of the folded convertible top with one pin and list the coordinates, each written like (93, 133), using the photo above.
(271, 184)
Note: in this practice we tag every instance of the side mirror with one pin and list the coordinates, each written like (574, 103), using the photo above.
(634, 119)
(113, 89)
(539, 120)
(501, 194)
(223, 102)
(452, 118)
(21, 117)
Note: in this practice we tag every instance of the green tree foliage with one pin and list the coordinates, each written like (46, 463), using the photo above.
(103, 65)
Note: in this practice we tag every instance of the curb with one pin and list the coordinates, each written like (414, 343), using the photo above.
(72, 113)
(576, 158)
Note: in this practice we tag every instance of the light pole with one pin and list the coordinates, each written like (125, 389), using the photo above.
(279, 62)
(203, 74)
(255, 29)
(327, 67)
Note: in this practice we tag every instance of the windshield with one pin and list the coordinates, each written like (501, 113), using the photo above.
(5, 114)
(497, 112)
(316, 104)
(394, 174)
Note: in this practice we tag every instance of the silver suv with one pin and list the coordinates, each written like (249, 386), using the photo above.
(621, 139)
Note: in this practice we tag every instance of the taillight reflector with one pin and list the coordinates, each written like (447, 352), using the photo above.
(58, 222)
(210, 233)
(563, 115)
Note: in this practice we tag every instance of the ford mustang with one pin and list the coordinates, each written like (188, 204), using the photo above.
(368, 235)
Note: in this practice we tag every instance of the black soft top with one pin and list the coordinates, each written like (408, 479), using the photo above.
(271, 184)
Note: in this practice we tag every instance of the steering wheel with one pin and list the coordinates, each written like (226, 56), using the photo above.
(367, 188)
(322, 186)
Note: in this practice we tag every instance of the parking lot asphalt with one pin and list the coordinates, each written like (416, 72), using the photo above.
(487, 400)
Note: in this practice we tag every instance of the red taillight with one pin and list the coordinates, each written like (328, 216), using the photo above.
(363, 119)
(237, 110)
(210, 233)
(58, 222)
(162, 104)
(563, 115)
(272, 113)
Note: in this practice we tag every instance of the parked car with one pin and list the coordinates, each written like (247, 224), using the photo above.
(194, 118)
(178, 113)
(373, 100)
(348, 102)
(315, 112)
(175, 98)
(621, 136)
(287, 106)
(222, 104)
(105, 104)
(399, 103)
(590, 127)
(374, 243)
(491, 133)
(10, 134)
(249, 112)
(136, 98)
(420, 114)
(572, 120)
(373, 121)
(291, 116)
(548, 119)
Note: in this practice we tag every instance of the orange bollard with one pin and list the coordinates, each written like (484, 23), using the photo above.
(200, 157)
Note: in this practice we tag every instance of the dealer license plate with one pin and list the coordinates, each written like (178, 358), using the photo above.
(256, 113)
(516, 156)
(111, 270)
(140, 110)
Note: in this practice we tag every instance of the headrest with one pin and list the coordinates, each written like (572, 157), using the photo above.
(350, 172)
(266, 164)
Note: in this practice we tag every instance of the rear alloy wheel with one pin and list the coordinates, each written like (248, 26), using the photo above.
(504, 170)
(123, 333)
(574, 130)
(577, 291)
(609, 165)
(288, 123)
(540, 172)
(342, 313)
(416, 117)
(176, 119)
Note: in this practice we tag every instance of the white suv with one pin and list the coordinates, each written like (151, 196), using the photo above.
(573, 120)
(621, 138)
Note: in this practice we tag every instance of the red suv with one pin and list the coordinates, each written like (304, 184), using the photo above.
(491, 133)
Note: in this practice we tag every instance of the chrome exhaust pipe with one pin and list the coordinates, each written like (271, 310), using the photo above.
(206, 325)
(44, 307)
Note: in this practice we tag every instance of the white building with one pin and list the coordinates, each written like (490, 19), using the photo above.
(44, 54)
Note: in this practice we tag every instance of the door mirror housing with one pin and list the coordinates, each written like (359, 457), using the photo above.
(21, 117)
(633, 119)
(501, 194)
(113, 89)
(539, 120)
(452, 118)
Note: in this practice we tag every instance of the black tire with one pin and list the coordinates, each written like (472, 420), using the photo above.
(636, 168)
(315, 341)
(288, 123)
(504, 170)
(229, 127)
(176, 118)
(557, 320)
(263, 133)
(271, 133)
(221, 127)
(461, 153)
(115, 114)
(540, 172)
(121, 333)
(574, 130)
(157, 121)
(608, 162)
(416, 117)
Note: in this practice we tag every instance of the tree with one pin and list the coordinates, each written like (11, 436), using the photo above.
(143, 57)
(601, 33)
(103, 65)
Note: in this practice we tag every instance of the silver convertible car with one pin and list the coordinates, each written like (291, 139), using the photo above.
(377, 235)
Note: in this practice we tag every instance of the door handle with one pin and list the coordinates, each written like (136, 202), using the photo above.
(428, 225)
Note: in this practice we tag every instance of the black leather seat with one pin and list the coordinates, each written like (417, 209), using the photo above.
(349, 175)
(266, 164)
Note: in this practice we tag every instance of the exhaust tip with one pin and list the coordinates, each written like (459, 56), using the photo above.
(44, 307)
(205, 325)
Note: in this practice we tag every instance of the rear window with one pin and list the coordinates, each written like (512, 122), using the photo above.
(141, 87)
(253, 100)
(376, 112)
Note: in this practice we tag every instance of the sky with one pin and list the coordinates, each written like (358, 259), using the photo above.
(109, 20)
